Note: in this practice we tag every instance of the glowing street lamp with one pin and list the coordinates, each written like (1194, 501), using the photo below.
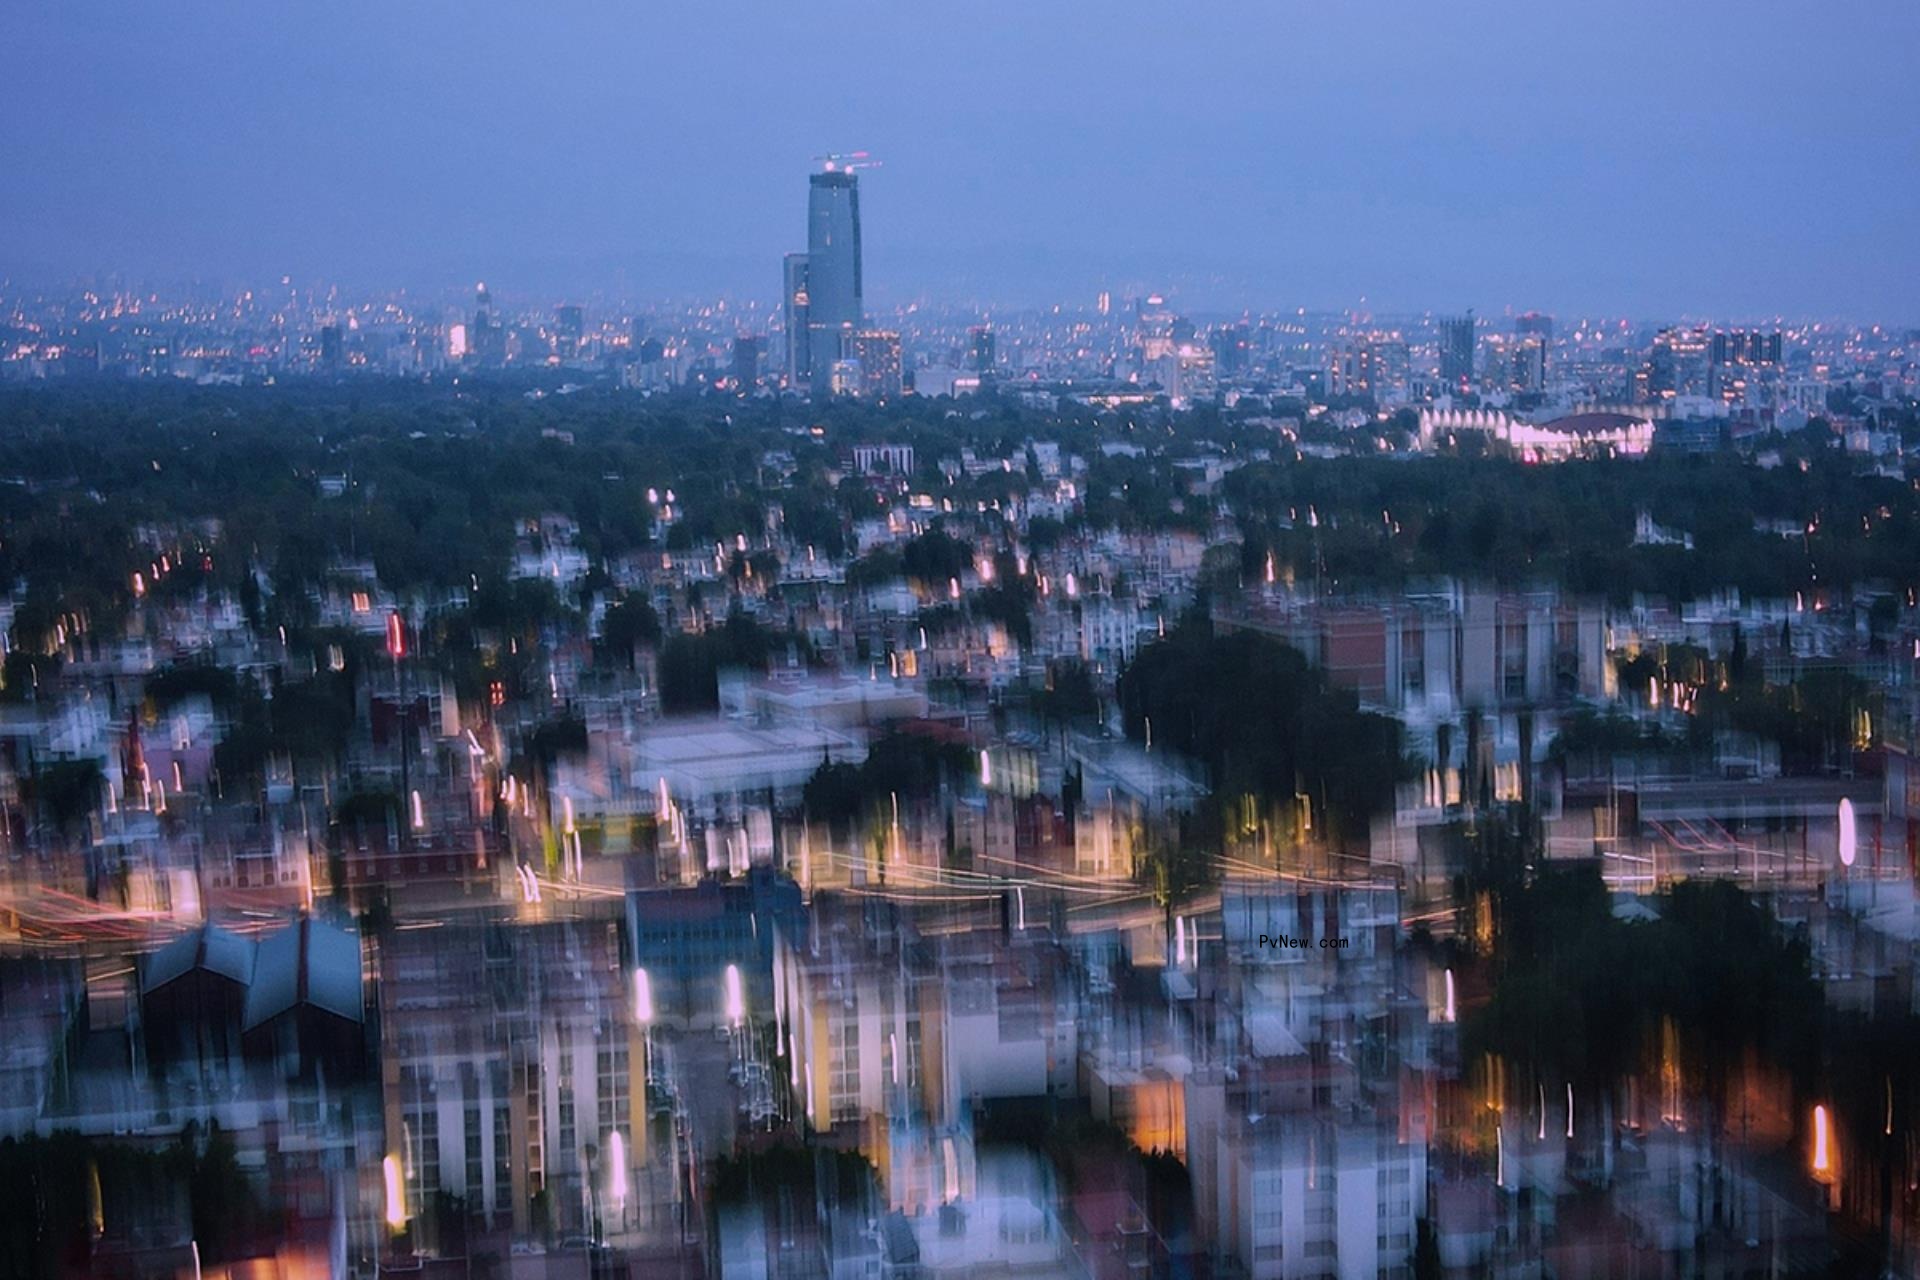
(617, 1175)
(642, 997)
(1822, 1145)
(736, 996)
(1849, 837)
(396, 1192)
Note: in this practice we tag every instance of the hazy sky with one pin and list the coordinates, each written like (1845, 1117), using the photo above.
(1683, 157)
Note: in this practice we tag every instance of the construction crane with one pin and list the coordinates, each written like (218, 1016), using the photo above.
(835, 162)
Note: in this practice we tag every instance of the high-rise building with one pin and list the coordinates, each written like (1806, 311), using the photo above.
(569, 327)
(1742, 360)
(1746, 346)
(1535, 324)
(1527, 364)
(1678, 364)
(983, 353)
(877, 351)
(746, 362)
(1456, 351)
(799, 339)
(487, 339)
(1154, 324)
(1194, 380)
(1372, 364)
(1232, 349)
(835, 293)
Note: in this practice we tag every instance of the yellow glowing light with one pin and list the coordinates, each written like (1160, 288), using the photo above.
(617, 1177)
(736, 996)
(642, 997)
(396, 1192)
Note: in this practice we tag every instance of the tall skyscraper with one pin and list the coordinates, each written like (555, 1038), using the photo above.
(1527, 364)
(746, 361)
(487, 337)
(1535, 324)
(799, 338)
(835, 299)
(569, 329)
(983, 354)
(1456, 351)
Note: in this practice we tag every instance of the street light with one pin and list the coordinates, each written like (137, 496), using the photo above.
(642, 997)
(1822, 1145)
(396, 1193)
(617, 1175)
(736, 997)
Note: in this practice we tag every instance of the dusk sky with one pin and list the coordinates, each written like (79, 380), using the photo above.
(1656, 159)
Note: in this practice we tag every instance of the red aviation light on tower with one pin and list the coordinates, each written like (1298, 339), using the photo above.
(846, 161)
(396, 636)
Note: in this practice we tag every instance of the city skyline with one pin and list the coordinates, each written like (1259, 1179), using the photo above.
(1491, 157)
(1063, 642)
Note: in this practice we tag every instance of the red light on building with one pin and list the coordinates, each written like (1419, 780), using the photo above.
(396, 636)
